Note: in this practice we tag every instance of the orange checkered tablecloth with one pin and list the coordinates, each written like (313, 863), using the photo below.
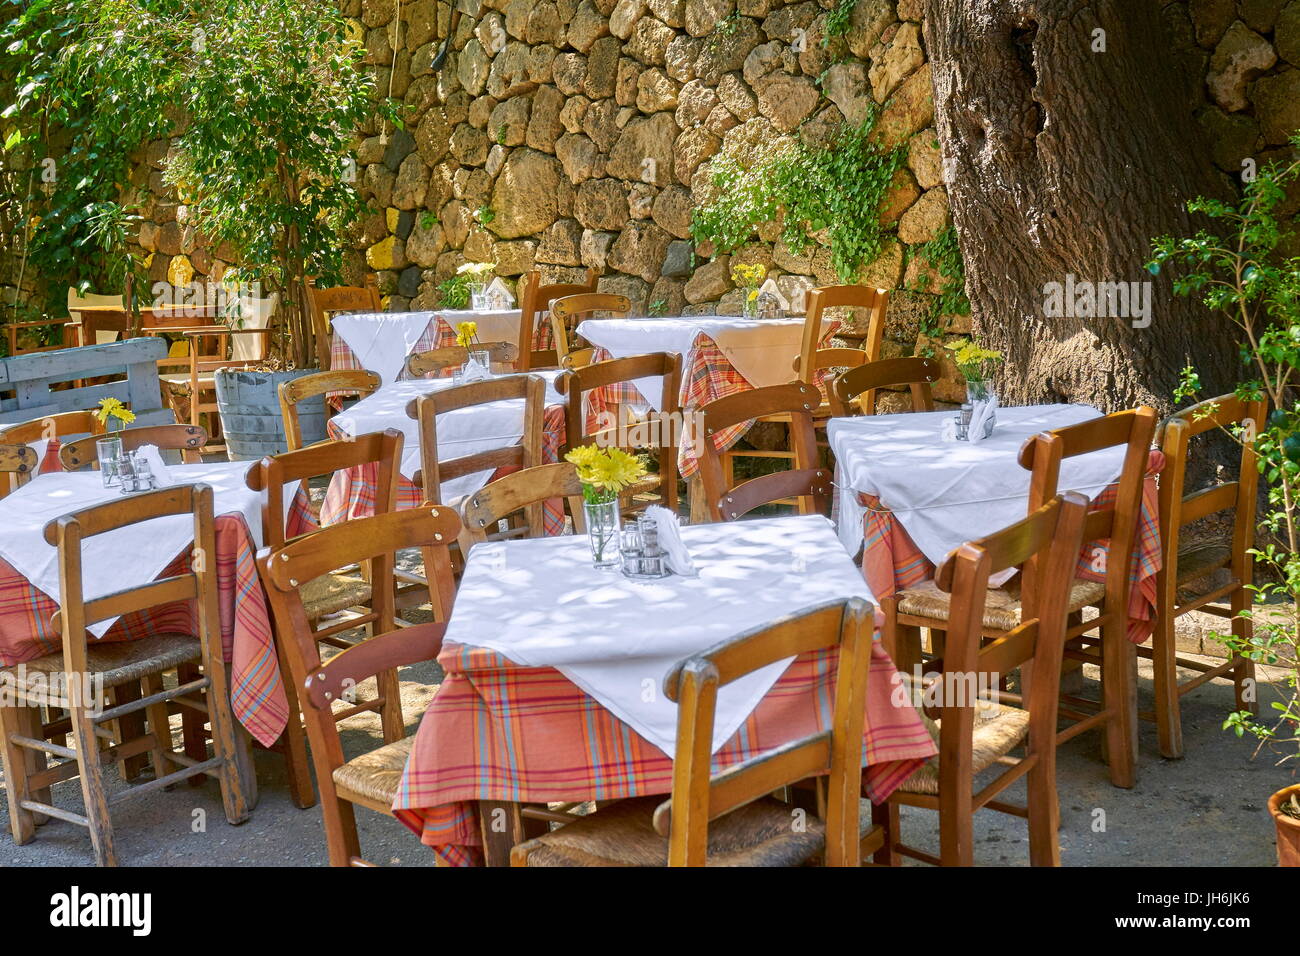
(256, 687)
(497, 730)
(891, 561)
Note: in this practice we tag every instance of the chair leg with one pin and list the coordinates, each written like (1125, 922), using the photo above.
(193, 735)
(1119, 696)
(1164, 661)
(956, 825)
(160, 727)
(1243, 675)
(340, 829)
(129, 727)
(885, 815)
(18, 764)
(91, 771)
(1044, 813)
(233, 796)
(390, 712)
(294, 746)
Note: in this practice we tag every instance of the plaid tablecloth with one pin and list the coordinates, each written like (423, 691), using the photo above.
(891, 561)
(497, 730)
(351, 493)
(247, 641)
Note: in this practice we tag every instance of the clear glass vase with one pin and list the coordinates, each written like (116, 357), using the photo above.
(108, 451)
(603, 532)
(478, 296)
(978, 392)
(750, 308)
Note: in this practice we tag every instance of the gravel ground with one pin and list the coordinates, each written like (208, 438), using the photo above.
(1205, 810)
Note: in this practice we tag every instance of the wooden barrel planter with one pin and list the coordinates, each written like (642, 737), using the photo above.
(250, 413)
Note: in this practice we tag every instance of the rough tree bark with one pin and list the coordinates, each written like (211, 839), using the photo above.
(1065, 161)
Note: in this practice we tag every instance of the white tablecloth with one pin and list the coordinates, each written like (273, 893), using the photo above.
(381, 341)
(496, 326)
(947, 493)
(762, 351)
(466, 431)
(540, 603)
(116, 560)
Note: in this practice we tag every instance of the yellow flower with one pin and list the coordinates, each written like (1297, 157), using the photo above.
(113, 408)
(604, 471)
(750, 276)
(466, 334)
(970, 358)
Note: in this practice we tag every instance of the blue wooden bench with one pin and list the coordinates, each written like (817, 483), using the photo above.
(27, 382)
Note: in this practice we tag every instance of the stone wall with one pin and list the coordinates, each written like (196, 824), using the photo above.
(563, 134)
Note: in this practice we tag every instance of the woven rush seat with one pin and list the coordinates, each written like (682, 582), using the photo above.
(1002, 608)
(119, 662)
(331, 593)
(623, 834)
(1196, 561)
(373, 778)
(993, 737)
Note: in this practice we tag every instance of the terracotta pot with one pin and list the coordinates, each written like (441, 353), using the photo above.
(1288, 828)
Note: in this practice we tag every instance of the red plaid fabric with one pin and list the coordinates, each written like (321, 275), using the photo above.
(351, 493)
(891, 561)
(497, 730)
(247, 641)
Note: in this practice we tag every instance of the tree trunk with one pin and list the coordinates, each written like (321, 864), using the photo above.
(1065, 161)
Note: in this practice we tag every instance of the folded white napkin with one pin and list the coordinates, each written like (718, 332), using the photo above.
(151, 454)
(473, 372)
(980, 414)
(948, 429)
(669, 528)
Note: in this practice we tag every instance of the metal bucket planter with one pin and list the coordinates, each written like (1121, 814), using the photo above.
(249, 403)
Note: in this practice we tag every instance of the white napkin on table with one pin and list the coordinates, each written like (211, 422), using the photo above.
(980, 414)
(154, 457)
(669, 529)
(948, 429)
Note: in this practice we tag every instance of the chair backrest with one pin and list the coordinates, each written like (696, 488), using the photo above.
(324, 303)
(565, 311)
(522, 491)
(807, 481)
(99, 336)
(659, 430)
(535, 299)
(419, 364)
(1179, 508)
(1042, 455)
(187, 439)
(286, 568)
(875, 301)
(853, 391)
(253, 314)
(531, 389)
(17, 465)
(270, 475)
(1049, 538)
(58, 425)
(698, 797)
(199, 584)
(353, 381)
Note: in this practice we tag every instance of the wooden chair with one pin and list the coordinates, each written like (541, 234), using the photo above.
(325, 598)
(813, 359)
(17, 466)
(526, 454)
(567, 310)
(659, 429)
(807, 485)
(187, 439)
(69, 335)
(521, 491)
(420, 364)
(93, 335)
(140, 662)
(294, 392)
(369, 780)
(221, 345)
(324, 303)
(42, 430)
(927, 606)
(974, 734)
(728, 819)
(1189, 565)
(535, 299)
(853, 392)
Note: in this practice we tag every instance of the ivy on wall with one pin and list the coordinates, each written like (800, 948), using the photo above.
(943, 255)
(820, 190)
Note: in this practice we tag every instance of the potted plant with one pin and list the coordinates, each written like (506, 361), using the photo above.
(975, 365)
(1243, 273)
(749, 278)
(269, 96)
(604, 473)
